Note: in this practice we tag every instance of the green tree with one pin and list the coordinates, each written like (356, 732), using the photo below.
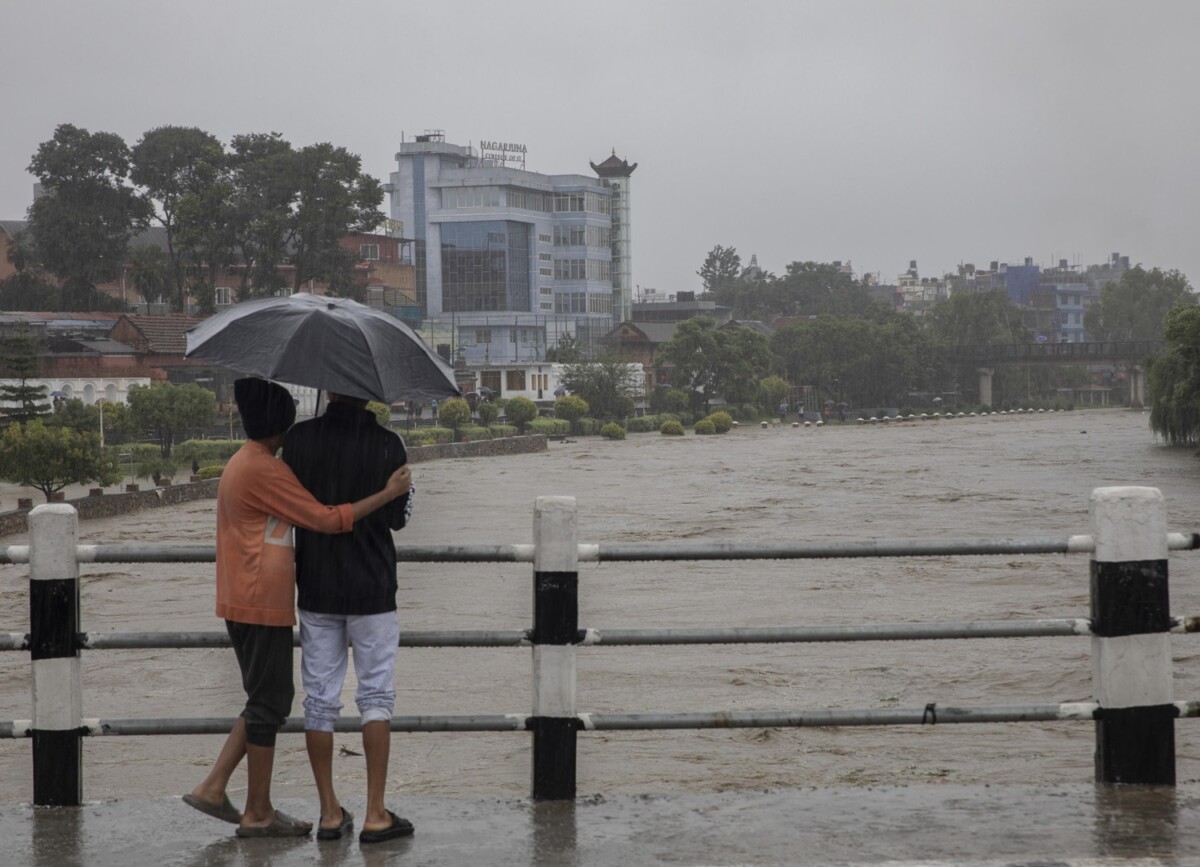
(21, 253)
(852, 358)
(29, 290)
(1136, 306)
(165, 411)
(49, 459)
(773, 391)
(150, 273)
(333, 197)
(75, 415)
(568, 350)
(176, 166)
(1173, 379)
(82, 222)
(745, 358)
(721, 269)
(454, 413)
(571, 407)
(520, 411)
(262, 174)
(981, 319)
(22, 401)
(607, 385)
(692, 357)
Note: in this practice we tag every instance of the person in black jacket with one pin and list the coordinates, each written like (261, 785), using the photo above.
(346, 589)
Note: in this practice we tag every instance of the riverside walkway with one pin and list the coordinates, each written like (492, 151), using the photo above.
(928, 824)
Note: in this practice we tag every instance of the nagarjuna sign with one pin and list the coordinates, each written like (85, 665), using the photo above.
(502, 151)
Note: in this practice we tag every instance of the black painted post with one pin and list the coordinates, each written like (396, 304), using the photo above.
(54, 649)
(555, 634)
(1131, 650)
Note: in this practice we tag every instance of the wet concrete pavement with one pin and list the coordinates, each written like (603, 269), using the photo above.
(925, 824)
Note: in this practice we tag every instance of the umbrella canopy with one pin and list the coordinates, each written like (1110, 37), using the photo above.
(333, 344)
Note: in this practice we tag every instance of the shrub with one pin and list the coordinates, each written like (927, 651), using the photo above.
(488, 412)
(671, 428)
(156, 467)
(437, 434)
(502, 430)
(587, 426)
(705, 426)
(212, 472)
(722, 421)
(612, 431)
(454, 413)
(549, 426)
(521, 411)
(469, 433)
(381, 411)
(643, 424)
(204, 452)
(570, 407)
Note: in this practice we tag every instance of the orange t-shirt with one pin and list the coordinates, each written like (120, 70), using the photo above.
(258, 501)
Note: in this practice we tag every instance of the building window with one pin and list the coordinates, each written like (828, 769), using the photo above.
(490, 379)
(471, 197)
(545, 239)
(514, 380)
(570, 302)
(570, 269)
(483, 335)
(546, 272)
(547, 305)
(570, 236)
(223, 296)
(369, 252)
(545, 257)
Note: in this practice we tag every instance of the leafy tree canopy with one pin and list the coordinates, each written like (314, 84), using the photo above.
(50, 458)
(607, 385)
(1136, 306)
(1173, 379)
(165, 411)
(84, 219)
(721, 269)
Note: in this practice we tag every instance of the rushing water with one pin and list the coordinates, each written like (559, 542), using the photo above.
(994, 477)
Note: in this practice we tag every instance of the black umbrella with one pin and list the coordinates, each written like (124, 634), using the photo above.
(333, 344)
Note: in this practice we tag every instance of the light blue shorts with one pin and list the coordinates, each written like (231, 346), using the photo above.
(324, 643)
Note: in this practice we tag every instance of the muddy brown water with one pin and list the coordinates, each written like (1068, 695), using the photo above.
(994, 477)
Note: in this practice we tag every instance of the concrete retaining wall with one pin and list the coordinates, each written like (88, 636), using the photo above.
(108, 505)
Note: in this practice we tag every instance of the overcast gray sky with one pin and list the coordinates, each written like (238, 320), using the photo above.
(944, 131)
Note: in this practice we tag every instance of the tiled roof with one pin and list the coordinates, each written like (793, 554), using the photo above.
(164, 334)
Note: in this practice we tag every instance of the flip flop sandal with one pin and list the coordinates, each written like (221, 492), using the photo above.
(398, 828)
(282, 825)
(336, 833)
(225, 811)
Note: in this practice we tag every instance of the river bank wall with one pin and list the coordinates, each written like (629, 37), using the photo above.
(109, 505)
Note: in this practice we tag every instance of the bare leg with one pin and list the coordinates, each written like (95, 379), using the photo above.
(213, 787)
(260, 761)
(320, 757)
(377, 742)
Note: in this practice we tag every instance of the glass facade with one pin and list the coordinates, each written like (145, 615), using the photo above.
(485, 266)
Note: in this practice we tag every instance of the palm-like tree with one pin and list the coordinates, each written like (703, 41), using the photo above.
(20, 253)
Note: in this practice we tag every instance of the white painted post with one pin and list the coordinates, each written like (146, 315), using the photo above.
(54, 649)
(554, 636)
(1131, 649)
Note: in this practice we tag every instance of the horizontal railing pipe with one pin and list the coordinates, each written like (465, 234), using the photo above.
(808, 634)
(643, 551)
(295, 725)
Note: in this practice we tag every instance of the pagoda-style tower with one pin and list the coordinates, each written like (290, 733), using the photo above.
(615, 173)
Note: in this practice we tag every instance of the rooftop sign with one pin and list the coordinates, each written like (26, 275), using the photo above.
(503, 152)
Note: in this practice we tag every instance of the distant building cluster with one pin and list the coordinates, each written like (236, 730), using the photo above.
(1052, 299)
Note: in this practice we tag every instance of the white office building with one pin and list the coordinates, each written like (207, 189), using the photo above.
(516, 262)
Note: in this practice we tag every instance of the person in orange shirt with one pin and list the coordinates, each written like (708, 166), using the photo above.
(258, 501)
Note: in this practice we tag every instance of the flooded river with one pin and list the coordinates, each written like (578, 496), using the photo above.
(995, 477)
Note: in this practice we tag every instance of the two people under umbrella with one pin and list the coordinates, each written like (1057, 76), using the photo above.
(344, 484)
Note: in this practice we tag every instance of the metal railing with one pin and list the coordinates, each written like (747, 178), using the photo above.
(1129, 628)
